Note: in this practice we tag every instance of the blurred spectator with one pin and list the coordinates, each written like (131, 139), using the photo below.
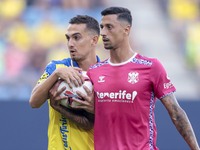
(15, 60)
(193, 46)
(47, 34)
(164, 6)
(182, 12)
(17, 7)
(185, 23)
(2, 59)
(19, 35)
(36, 59)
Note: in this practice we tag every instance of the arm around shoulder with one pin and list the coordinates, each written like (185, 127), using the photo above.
(180, 120)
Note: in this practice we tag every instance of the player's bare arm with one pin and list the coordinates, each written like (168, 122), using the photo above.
(88, 104)
(39, 94)
(180, 120)
(79, 117)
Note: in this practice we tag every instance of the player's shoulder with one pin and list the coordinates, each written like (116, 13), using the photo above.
(154, 63)
(99, 64)
(66, 61)
(55, 63)
(145, 60)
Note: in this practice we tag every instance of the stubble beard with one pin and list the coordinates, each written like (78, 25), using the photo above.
(108, 47)
(76, 59)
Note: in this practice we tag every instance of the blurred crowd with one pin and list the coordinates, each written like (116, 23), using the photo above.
(184, 20)
(32, 33)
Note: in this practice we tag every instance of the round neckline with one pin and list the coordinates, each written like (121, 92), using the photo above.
(122, 63)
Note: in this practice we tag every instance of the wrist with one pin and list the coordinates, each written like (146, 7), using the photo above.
(91, 111)
(57, 108)
(55, 74)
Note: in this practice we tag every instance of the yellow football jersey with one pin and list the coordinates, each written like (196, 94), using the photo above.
(62, 133)
(65, 135)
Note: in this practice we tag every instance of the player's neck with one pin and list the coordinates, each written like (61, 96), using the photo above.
(85, 64)
(121, 54)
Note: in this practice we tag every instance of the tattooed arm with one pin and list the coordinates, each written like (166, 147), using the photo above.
(180, 120)
(79, 116)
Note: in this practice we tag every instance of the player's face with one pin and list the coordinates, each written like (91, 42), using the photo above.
(78, 42)
(111, 32)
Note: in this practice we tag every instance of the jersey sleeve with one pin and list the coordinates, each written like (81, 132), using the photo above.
(162, 85)
(48, 71)
(51, 67)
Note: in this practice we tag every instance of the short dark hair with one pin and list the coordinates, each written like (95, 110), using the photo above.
(123, 13)
(91, 23)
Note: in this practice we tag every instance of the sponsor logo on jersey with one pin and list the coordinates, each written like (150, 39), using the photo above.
(101, 79)
(168, 85)
(133, 77)
(121, 96)
(64, 132)
(168, 77)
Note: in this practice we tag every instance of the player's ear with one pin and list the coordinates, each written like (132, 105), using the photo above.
(127, 29)
(95, 40)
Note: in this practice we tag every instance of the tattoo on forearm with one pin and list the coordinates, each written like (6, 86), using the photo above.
(180, 120)
(79, 117)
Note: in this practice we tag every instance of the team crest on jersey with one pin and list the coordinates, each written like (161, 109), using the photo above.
(133, 77)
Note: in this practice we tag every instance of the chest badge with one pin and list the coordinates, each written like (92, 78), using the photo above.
(133, 77)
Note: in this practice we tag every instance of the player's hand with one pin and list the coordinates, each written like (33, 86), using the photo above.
(70, 74)
(55, 97)
(88, 104)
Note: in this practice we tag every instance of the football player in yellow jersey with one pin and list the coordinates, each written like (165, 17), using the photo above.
(69, 129)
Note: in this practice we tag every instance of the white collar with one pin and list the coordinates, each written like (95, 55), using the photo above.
(122, 63)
